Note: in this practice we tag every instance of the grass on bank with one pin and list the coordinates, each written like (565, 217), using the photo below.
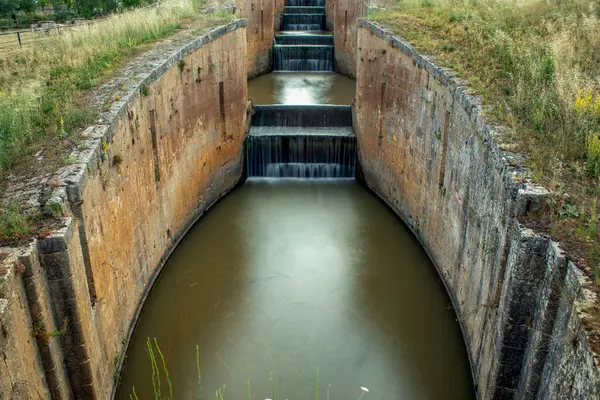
(41, 84)
(537, 65)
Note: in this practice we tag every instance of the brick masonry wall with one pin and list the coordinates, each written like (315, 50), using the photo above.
(426, 150)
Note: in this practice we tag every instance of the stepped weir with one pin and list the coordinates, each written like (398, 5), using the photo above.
(304, 45)
(302, 142)
(306, 141)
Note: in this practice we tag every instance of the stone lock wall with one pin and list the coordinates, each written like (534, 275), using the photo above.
(342, 17)
(279, 6)
(426, 150)
(262, 16)
(168, 148)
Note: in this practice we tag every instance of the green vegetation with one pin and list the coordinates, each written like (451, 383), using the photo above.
(40, 85)
(536, 64)
(21, 12)
(153, 349)
(15, 223)
(40, 332)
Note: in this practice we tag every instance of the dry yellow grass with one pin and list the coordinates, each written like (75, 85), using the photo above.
(38, 84)
(537, 65)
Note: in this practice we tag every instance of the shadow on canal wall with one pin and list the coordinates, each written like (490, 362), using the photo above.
(263, 18)
(342, 18)
(426, 150)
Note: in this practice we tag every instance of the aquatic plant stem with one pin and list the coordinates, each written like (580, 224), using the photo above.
(272, 386)
(317, 386)
(155, 372)
(165, 369)
(199, 373)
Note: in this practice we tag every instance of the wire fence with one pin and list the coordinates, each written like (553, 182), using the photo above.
(44, 30)
(10, 41)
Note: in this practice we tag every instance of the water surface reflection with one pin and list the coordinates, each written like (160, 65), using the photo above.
(300, 88)
(287, 276)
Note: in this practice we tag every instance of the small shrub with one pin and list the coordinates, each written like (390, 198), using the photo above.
(54, 210)
(15, 223)
(69, 159)
(459, 17)
(593, 154)
(116, 370)
(117, 160)
(568, 211)
(78, 118)
(40, 332)
(144, 90)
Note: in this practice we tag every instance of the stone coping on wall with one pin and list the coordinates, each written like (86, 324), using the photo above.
(527, 196)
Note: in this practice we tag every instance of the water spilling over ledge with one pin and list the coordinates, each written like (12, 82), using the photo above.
(301, 142)
(304, 38)
(305, 3)
(305, 10)
(303, 22)
(301, 115)
(301, 156)
(309, 58)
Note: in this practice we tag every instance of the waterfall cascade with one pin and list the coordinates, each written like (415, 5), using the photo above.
(308, 141)
(302, 48)
(309, 58)
(302, 142)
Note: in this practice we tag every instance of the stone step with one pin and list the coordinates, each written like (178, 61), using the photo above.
(304, 39)
(308, 116)
(301, 131)
(307, 58)
(304, 3)
(303, 22)
(304, 10)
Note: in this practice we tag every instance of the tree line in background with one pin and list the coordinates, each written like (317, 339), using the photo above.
(64, 9)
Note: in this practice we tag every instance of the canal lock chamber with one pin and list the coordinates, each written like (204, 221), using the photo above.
(297, 269)
(301, 278)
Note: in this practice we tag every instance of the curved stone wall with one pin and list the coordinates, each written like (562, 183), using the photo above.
(169, 146)
(264, 18)
(426, 150)
(342, 16)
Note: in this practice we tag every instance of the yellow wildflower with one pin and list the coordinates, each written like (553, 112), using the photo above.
(597, 105)
(584, 102)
